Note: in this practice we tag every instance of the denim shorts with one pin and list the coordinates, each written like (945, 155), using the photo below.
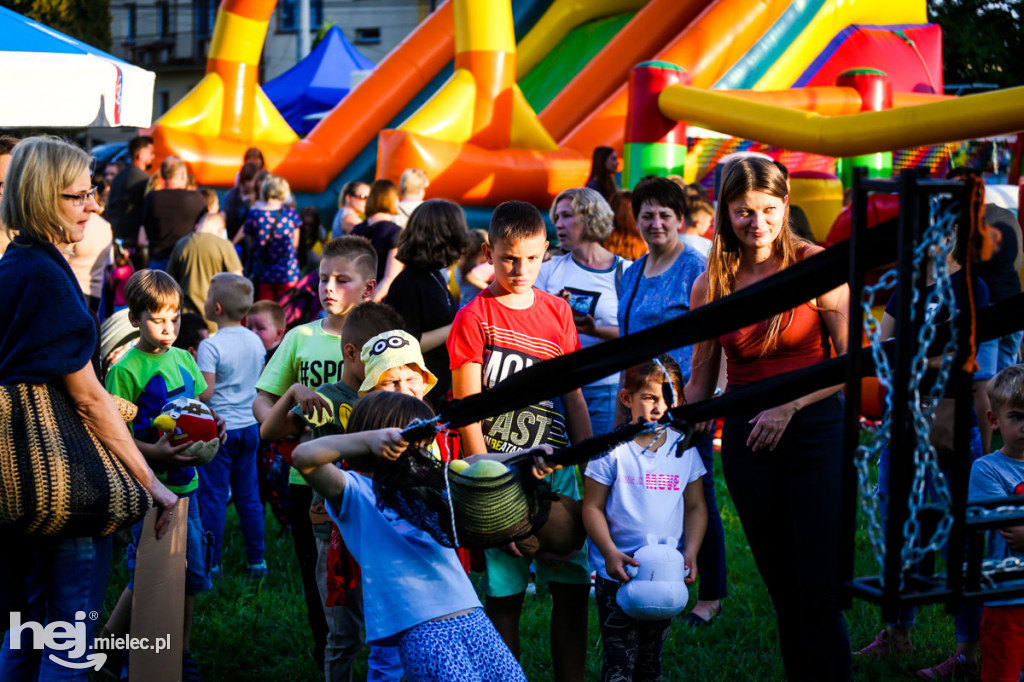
(198, 550)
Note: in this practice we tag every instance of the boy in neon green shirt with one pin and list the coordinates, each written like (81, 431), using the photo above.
(311, 356)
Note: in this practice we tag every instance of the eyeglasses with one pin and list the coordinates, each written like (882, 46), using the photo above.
(361, 196)
(79, 199)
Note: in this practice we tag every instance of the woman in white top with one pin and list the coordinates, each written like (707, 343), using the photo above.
(588, 276)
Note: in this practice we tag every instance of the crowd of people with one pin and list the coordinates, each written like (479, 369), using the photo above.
(313, 347)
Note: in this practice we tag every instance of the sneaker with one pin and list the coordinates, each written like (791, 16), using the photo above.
(216, 574)
(956, 667)
(881, 646)
(258, 571)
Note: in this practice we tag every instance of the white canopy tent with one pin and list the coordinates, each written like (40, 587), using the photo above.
(48, 79)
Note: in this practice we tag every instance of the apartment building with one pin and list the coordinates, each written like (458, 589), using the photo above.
(171, 37)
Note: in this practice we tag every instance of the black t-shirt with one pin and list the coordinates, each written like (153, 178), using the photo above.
(235, 207)
(384, 237)
(168, 215)
(422, 298)
(124, 205)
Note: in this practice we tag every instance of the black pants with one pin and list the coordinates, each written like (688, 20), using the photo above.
(631, 648)
(711, 557)
(788, 502)
(299, 498)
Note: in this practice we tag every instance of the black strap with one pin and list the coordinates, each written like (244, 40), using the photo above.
(632, 296)
(803, 281)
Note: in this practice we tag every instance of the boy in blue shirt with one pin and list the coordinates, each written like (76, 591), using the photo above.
(1001, 474)
(151, 374)
(231, 362)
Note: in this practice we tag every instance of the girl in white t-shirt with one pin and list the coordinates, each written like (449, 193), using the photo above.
(642, 487)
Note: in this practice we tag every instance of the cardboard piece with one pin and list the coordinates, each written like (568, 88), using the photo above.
(158, 603)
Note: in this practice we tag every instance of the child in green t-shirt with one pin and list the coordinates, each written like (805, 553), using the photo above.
(151, 374)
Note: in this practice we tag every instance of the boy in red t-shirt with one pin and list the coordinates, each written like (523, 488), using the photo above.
(507, 327)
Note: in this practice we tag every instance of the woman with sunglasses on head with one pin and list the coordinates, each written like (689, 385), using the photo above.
(47, 335)
(351, 208)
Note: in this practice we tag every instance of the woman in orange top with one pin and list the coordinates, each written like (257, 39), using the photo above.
(782, 464)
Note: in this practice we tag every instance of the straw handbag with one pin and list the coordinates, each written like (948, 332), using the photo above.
(56, 478)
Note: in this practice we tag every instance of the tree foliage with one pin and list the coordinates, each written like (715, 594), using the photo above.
(86, 20)
(982, 40)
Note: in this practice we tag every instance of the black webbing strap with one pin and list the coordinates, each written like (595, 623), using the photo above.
(780, 292)
(994, 321)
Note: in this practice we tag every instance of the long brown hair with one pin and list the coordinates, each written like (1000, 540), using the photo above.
(625, 239)
(599, 172)
(383, 198)
(748, 175)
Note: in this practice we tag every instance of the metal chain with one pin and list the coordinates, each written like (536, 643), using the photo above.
(991, 567)
(994, 512)
(869, 452)
(940, 305)
(928, 485)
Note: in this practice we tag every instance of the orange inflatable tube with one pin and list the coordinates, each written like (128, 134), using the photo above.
(478, 138)
(468, 173)
(638, 41)
(214, 152)
(316, 160)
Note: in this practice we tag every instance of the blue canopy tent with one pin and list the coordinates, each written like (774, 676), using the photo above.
(52, 80)
(317, 83)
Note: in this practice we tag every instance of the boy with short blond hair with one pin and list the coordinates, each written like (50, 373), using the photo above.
(1001, 474)
(152, 373)
(231, 361)
(308, 357)
(509, 326)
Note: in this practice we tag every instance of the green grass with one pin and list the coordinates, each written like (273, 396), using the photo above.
(249, 631)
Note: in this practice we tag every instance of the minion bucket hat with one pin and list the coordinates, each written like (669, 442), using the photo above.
(389, 350)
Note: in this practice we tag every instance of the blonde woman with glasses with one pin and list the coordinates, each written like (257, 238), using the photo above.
(47, 335)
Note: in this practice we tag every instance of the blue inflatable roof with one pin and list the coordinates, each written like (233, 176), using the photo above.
(317, 83)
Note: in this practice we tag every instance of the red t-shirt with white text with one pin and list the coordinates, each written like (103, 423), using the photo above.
(504, 341)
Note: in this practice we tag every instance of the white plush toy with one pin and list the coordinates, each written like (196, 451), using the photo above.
(656, 590)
